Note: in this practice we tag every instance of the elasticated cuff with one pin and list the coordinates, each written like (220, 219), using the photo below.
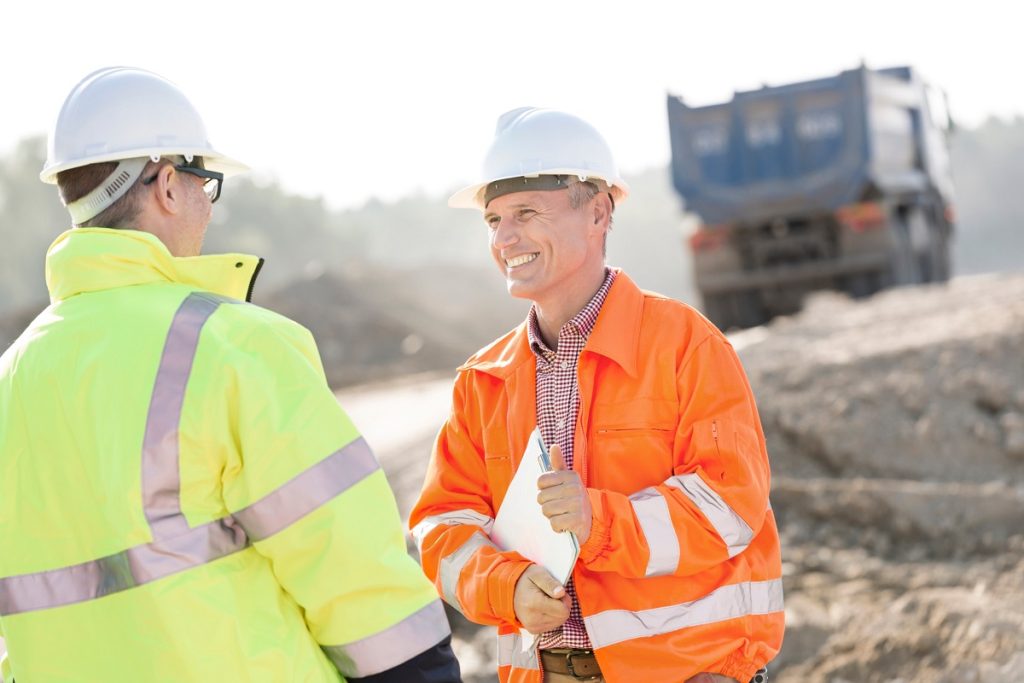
(736, 666)
(600, 529)
(501, 589)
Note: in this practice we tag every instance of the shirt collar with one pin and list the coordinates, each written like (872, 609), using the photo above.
(583, 322)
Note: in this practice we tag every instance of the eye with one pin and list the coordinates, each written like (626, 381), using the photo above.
(492, 222)
(523, 214)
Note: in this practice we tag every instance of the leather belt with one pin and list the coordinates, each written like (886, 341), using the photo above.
(580, 664)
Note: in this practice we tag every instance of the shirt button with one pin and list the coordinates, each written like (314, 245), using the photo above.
(561, 424)
(565, 365)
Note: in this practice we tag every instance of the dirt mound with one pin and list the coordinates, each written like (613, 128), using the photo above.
(923, 383)
(896, 433)
(375, 324)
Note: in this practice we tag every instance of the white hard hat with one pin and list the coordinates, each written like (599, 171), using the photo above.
(122, 113)
(530, 142)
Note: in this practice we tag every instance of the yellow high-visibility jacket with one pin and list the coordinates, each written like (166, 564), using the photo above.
(181, 496)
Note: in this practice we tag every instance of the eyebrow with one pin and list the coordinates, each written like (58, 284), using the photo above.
(520, 205)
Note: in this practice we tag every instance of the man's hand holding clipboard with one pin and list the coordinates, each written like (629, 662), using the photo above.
(539, 522)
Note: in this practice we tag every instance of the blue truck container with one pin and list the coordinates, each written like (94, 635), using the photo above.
(841, 182)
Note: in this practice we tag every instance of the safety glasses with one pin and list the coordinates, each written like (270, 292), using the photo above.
(213, 179)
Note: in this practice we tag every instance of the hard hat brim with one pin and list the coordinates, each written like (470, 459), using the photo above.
(214, 161)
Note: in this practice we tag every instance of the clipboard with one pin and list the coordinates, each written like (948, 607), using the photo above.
(521, 526)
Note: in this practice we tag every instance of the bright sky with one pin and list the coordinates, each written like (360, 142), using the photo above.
(351, 100)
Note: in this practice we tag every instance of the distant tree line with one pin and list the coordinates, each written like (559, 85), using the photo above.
(301, 237)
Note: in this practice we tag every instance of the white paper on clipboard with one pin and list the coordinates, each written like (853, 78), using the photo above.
(520, 524)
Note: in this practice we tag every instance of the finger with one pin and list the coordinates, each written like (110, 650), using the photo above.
(566, 521)
(559, 506)
(547, 583)
(557, 461)
(546, 481)
(562, 491)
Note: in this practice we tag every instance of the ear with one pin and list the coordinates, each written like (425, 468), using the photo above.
(169, 190)
(601, 212)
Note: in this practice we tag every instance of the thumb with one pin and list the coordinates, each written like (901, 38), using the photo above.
(557, 461)
(547, 583)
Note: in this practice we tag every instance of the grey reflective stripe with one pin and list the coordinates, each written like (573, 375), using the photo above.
(121, 571)
(651, 510)
(511, 653)
(728, 602)
(308, 491)
(735, 532)
(160, 470)
(464, 516)
(451, 566)
(387, 649)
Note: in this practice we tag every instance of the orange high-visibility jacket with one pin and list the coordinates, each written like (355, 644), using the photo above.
(681, 573)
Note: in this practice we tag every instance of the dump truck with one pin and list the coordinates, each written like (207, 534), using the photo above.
(837, 183)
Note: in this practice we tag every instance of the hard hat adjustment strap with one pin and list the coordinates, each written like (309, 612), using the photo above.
(113, 187)
(498, 188)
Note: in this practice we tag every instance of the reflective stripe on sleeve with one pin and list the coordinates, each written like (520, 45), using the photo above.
(451, 567)
(735, 532)
(727, 602)
(511, 652)
(651, 510)
(452, 517)
(392, 646)
(308, 491)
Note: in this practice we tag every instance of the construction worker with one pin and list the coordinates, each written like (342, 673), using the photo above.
(660, 464)
(182, 497)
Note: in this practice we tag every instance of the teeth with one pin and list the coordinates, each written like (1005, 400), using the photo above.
(519, 260)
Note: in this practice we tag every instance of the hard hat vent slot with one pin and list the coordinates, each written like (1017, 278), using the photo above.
(120, 180)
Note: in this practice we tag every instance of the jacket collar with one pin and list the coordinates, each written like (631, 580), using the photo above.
(92, 259)
(616, 335)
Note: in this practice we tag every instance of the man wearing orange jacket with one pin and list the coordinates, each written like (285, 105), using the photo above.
(661, 470)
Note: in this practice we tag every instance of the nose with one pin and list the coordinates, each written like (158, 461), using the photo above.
(505, 235)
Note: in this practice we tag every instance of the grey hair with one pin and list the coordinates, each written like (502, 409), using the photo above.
(581, 192)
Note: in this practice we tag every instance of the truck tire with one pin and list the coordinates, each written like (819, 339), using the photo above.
(904, 264)
(735, 309)
(716, 309)
(863, 285)
(939, 267)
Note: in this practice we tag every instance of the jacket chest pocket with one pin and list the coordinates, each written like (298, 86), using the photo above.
(632, 444)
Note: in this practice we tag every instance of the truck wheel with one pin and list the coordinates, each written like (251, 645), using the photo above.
(904, 267)
(939, 268)
(863, 285)
(750, 311)
(718, 310)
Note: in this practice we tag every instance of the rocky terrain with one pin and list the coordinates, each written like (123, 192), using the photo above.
(896, 432)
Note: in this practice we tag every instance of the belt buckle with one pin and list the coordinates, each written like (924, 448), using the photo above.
(572, 671)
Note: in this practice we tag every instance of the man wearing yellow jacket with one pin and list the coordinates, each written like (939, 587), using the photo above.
(181, 497)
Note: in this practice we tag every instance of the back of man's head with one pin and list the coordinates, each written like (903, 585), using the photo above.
(113, 126)
(75, 183)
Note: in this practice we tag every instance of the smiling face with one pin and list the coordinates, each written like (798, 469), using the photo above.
(548, 251)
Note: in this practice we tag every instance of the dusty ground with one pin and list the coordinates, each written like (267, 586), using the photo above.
(896, 432)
